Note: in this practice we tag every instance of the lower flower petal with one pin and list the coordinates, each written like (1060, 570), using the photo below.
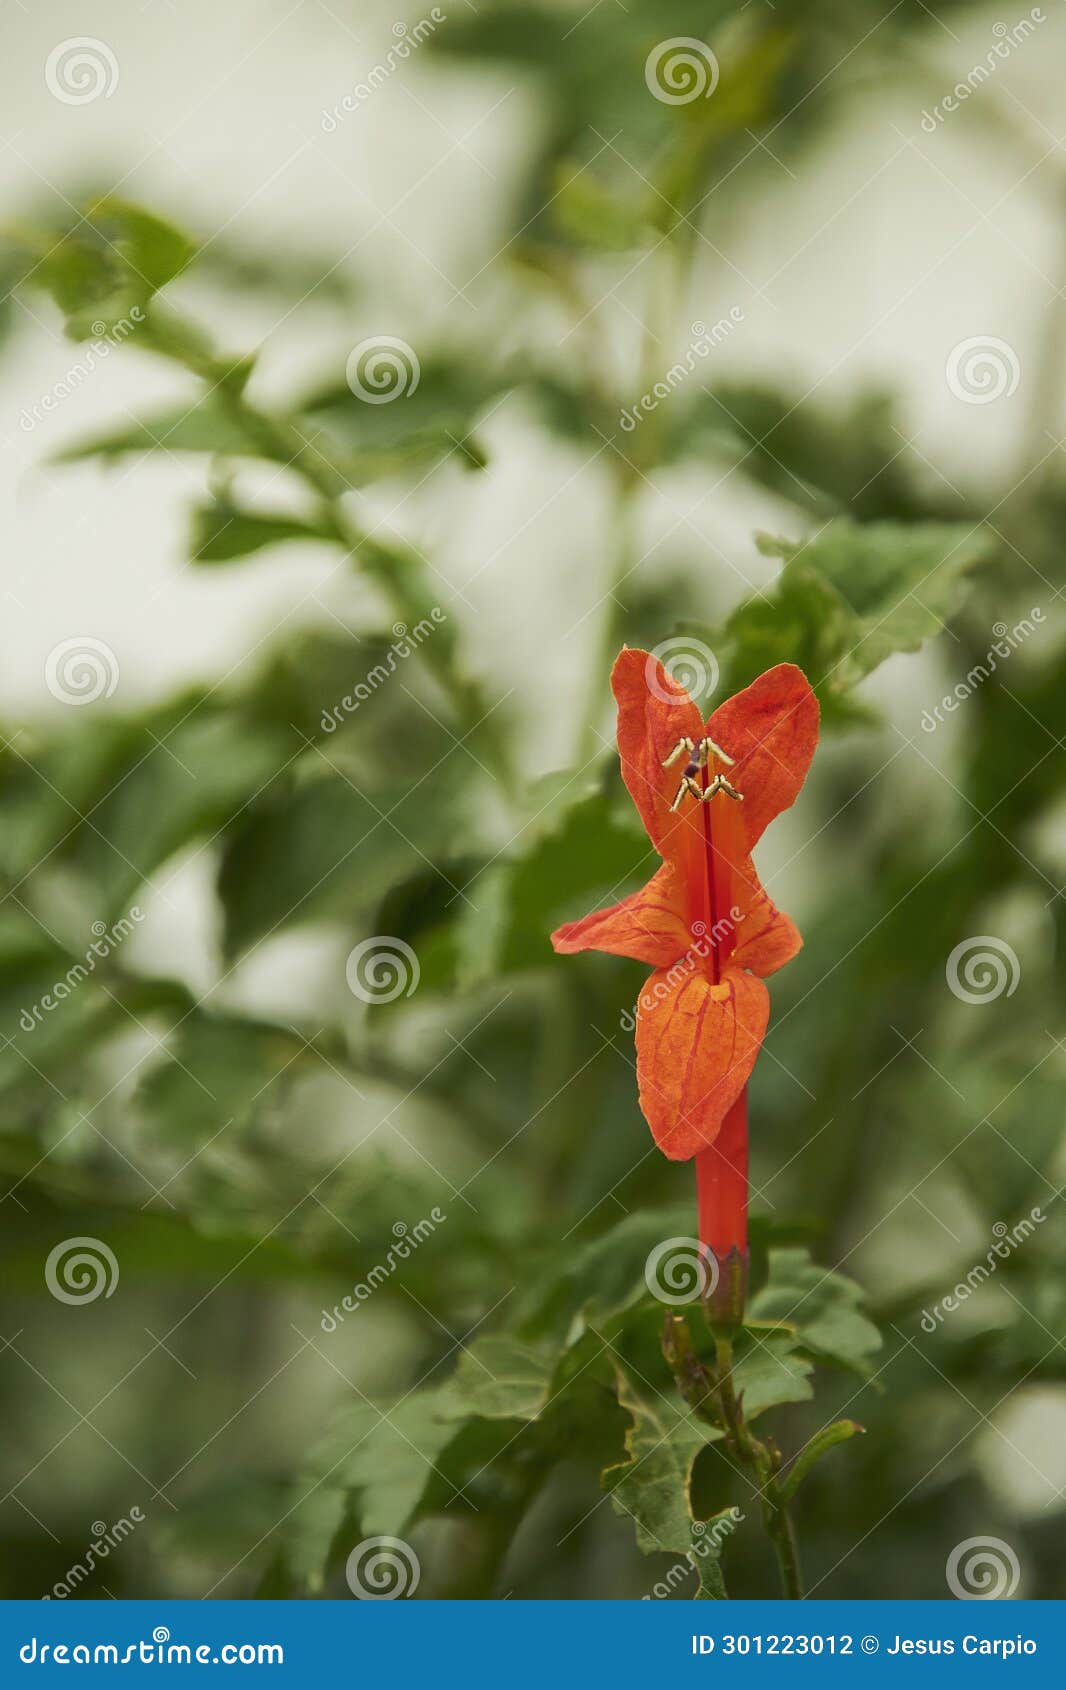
(648, 925)
(696, 1046)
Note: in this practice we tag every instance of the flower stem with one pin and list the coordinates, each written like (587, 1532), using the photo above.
(764, 1460)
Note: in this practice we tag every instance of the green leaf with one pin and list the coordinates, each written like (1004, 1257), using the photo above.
(653, 1486)
(384, 1459)
(587, 211)
(352, 817)
(191, 779)
(768, 1372)
(499, 1379)
(310, 1529)
(434, 403)
(218, 1074)
(830, 457)
(604, 1279)
(824, 1307)
(223, 530)
(901, 584)
(104, 265)
(206, 425)
(846, 599)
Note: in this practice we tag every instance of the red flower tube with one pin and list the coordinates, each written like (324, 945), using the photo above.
(705, 923)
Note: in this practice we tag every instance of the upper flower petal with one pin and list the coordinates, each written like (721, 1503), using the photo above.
(654, 713)
(648, 925)
(770, 730)
(696, 1046)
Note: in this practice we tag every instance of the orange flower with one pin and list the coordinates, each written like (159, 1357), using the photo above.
(703, 921)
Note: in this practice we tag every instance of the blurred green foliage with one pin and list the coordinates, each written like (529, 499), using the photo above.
(248, 1171)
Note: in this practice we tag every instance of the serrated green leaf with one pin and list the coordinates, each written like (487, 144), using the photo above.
(499, 1379)
(606, 1277)
(825, 1308)
(901, 583)
(770, 1371)
(653, 1487)
(384, 1458)
(846, 599)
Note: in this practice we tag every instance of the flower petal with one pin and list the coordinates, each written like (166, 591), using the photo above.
(750, 931)
(654, 713)
(766, 937)
(648, 925)
(696, 1046)
(770, 730)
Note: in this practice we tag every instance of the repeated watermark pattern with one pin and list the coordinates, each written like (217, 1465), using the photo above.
(1008, 1239)
(680, 1270)
(81, 670)
(106, 337)
(80, 1270)
(408, 37)
(660, 989)
(681, 70)
(982, 969)
(982, 369)
(982, 1569)
(1007, 38)
(106, 940)
(80, 70)
(1007, 640)
(382, 1569)
(405, 640)
(707, 1538)
(105, 1538)
(383, 368)
(407, 1242)
(689, 662)
(381, 969)
(704, 340)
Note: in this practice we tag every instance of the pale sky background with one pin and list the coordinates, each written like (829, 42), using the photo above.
(891, 247)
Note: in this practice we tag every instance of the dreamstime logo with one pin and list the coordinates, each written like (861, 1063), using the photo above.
(407, 1239)
(981, 969)
(106, 1538)
(81, 670)
(408, 37)
(704, 943)
(982, 369)
(105, 940)
(105, 339)
(1007, 1240)
(404, 641)
(78, 71)
(381, 969)
(1007, 640)
(983, 1569)
(704, 1542)
(703, 342)
(1007, 38)
(79, 1270)
(681, 70)
(381, 1569)
(687, 661)
(680, 1270)
(383, 368)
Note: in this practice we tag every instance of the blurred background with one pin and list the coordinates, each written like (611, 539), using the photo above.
(369, 380)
